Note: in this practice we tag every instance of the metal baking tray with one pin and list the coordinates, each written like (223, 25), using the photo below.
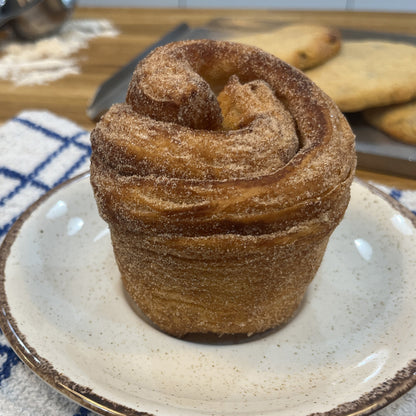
(376, 151)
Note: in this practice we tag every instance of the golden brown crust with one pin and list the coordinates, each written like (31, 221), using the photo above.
(301, 45)
(367, 74)
(398, 121)
(207, 222)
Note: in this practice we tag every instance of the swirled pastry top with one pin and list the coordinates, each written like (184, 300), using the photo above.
(218, 137)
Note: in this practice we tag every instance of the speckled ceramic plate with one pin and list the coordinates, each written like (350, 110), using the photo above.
(349, 350)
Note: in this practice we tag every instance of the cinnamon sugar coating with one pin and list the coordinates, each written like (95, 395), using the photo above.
(221, 178)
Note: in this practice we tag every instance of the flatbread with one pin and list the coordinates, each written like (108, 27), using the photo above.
(301, 45)
(398, 121)
(368, 74)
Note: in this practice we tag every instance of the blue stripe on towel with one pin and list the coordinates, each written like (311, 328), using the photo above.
(8, 173)
(23, 181)
(396, 194)
(31, 180)
(67, 141)
(52, 134)
(6, 227)
(11, 361)
(82, 412)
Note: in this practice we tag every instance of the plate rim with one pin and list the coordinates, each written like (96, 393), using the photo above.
(379, 397)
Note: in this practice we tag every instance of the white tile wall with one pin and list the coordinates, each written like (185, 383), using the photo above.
(371, 5)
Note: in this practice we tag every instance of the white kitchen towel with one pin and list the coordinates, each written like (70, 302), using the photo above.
(39, 150)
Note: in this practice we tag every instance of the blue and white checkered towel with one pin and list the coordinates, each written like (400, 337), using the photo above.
(39, 150)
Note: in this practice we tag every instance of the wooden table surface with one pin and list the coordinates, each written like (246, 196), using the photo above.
(139, 28)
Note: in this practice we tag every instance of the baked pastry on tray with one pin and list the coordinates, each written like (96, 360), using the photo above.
(397, 120)
(368, 73)
(221, 178)
(301, 45)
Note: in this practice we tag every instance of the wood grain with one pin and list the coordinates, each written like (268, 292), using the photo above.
(139, 28)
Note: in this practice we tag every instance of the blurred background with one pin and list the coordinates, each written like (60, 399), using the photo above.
(367, 5)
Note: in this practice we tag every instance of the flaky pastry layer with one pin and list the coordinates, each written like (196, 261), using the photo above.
(222, 178)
